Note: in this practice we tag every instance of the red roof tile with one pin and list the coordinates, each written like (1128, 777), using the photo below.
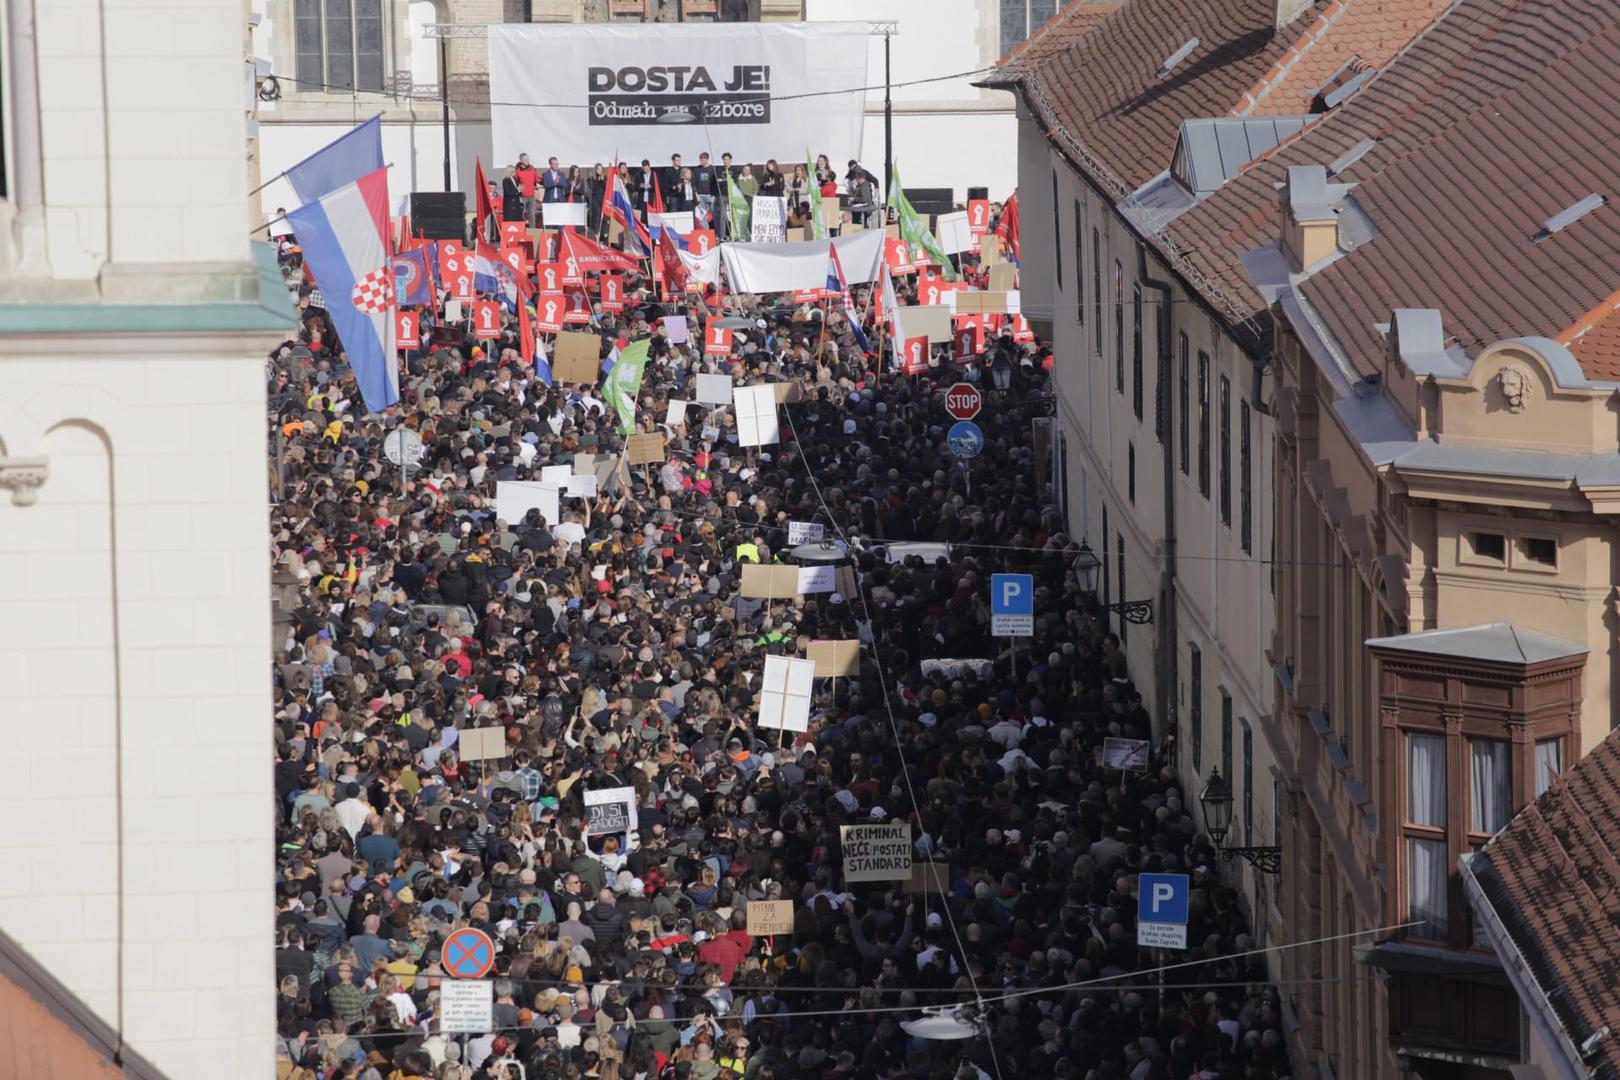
(1553, 880)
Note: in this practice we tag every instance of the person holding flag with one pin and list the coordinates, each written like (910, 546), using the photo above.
(622, 386)
(914, 230)
(838, 286)
(617, 207)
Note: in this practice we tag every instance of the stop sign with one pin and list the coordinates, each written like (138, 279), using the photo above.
(963, 401)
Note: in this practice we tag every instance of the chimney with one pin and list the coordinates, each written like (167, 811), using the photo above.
(1284, 12)
(1310, 224)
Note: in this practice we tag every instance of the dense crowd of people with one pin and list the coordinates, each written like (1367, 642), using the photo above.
(611, 648)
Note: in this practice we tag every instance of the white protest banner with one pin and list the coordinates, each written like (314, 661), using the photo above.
(675, 413)
(610, 810)
(955, 235)
(805, 532)
(582, 487)
(555, 474)
(676, 328)
(466, 1006)
(757, 420)
(515, 498)
(758, 88)
(784, 695)
(876, 852)
(816, 579)
(714, 389)
(558, 214)
(765, 268)
(1125, 754)
(769, 218)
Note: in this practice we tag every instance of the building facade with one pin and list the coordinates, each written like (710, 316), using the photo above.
(135, 317)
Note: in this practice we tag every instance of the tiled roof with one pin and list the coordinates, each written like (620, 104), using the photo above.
(1486, 125)
(1062, 31)
(1553, 880)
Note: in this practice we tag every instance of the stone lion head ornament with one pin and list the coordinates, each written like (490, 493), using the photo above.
(1515, 384)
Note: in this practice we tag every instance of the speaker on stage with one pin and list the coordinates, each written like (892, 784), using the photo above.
(439, 215)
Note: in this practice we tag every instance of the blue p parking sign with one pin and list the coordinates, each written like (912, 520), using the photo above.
(1161, 910)
(1012, 605)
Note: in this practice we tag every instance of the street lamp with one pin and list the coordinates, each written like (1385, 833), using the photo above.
(1216, 799)
(1086, 565)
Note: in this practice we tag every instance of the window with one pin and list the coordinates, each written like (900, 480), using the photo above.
(1119, 329)
(1226, 735)
(1021, 18)
(1105, 592)
(1488, 547)
(1096, 285)
(1226, 451)
(1276, 811)
(1248, 784)
(1119, 555)
(1203, 424)
(1136, 350)
(1196, 713)
(1063, 473)
(1057, 233)
(1245, 480)
(339, 45)
(1079, 266)
(1130, 471)
(1490, 787)
(1427, 865)
(1181, 405)
(1536, 552)
(1549, 762)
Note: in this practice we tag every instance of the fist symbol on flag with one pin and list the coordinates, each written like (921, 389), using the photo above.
(374, 293)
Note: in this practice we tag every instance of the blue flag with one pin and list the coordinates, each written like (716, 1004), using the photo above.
(346, 159)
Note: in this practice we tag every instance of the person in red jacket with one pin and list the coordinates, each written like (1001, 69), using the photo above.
(722, 949)
(526, 176)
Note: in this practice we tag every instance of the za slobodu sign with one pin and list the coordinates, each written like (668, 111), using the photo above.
(963, 401)
(1161, 911)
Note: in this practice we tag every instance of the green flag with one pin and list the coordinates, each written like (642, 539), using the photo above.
(915, 231)
(739, 211)
(623, 384)
(818, 227)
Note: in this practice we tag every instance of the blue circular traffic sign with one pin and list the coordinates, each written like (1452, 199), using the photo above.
(468, 953)
(965, 439)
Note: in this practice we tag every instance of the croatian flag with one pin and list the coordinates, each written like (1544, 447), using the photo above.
(355, 154)
(838, 285)
(344, 235)
(617, 207)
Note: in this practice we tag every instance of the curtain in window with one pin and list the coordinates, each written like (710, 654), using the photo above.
(1426, 784)
(1549, 762)
(1426, 874)
(1489, 789)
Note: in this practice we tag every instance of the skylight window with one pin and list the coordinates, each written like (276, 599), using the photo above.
(1175, 58)
(1569, 216)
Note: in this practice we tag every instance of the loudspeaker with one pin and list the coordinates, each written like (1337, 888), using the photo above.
(978, 193)
(931, 200)
(439, 215)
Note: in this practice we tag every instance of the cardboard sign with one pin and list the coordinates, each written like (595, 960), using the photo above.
(932, 321)
(929, 877)
(876, 852)
(466, 1006)
(955, 232)
(611, 289)
(805, 532)
(482, 744)
(1003, 277)
(716, 340)
(407, 330)
(548, 313)
(784, 693)
(645, 449)
(714, 389)
(787, 392)
(486, 319)
(576, 358)
(989, 250)
(973, 302)
(757, 421)
(762, 582)
(836, 659)
(978, 214)
(832, 215)
(1125, 754)
(817, 579)
(701, 241)
(768, 917)
(549, 276)
(610, 810)
(557, 215)
(914, 357)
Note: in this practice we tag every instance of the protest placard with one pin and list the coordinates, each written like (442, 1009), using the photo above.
(482, 744)
(817, 579)
(767, 917)
(556, 215)
(834, 659)
(610, 810)
(929, 877)
(769, 219)
(1003, 277)
(876, 852)
(675, 326)
(955, 234)
(577, 357)
(1127, 754)
(515, 498)
(932, 321)
(714, 389)
(805, 532)
(645, 449)
(769, 582)
(784, 694)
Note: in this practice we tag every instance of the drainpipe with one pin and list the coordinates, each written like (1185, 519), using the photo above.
(1166, 613)
(28, 158)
